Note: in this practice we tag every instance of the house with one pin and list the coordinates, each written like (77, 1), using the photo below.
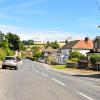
(97, 44)
(50, 53)
(82, 46)
(95, 50)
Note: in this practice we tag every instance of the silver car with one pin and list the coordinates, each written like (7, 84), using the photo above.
(11, 62)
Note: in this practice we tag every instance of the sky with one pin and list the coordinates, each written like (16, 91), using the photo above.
(49, 20)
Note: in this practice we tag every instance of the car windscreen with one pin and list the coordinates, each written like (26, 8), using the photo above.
(9, 58)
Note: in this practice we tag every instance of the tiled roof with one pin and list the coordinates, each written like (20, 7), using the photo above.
(70, 44)
(82, 44)
(78, 44)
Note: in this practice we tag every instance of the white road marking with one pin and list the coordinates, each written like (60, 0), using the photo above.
(89, 98)
(58, 81)
(44, 74)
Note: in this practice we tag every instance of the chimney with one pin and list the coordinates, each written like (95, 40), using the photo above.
(86, 39)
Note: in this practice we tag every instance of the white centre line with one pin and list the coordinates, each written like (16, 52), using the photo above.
(58, 81)
(89, 98)
(44, 74)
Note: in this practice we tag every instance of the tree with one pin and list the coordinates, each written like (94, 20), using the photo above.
(36, 52)
(66, 41)
(2, 36)
(28, 42)
(48, 44)
(54, 45)
(14, 41)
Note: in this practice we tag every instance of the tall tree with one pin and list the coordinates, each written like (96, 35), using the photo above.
(14, 41)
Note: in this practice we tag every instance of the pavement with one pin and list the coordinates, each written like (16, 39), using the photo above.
(34, 81)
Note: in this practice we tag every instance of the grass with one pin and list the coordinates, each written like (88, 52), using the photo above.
(58, 66)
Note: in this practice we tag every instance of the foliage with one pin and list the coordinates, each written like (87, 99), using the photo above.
(75, 56)
(54, 45)
(28, 42)
(2, 36)
(14, 41)
(36, 52)
(2, 54)
(21, 46)
(59, 66)
(48, 44)
(4, 44)
(94, 58)
(9, 52)
(66, 41)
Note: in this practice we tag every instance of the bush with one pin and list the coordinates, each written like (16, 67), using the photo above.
(94, 58)
(75, 56)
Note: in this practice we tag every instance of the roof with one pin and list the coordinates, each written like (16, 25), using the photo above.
(69, 45)
(78, 44)
(50, 50)
(97, 38)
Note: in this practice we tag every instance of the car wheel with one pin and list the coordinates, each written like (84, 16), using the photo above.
(3, 67)
(16, 68)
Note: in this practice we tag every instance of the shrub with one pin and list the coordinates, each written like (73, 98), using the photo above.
(94, 58)
(75, 56)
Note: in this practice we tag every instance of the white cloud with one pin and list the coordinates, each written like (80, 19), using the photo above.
(40, 35)
(25, 4)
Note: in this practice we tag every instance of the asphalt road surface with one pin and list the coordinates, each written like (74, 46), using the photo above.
(34, 81)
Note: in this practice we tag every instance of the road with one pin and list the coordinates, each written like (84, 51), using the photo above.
(33, 81)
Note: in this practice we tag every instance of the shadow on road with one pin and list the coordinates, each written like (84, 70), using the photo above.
(89, 76)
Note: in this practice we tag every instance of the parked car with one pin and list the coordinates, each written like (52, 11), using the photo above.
(11, 62)
(41, 60)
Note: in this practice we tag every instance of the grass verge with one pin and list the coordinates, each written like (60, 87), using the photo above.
(58, 66)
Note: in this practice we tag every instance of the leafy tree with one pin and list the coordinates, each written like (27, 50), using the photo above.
(14, 41)
(36, 52)
(4, 44)
(48, 44)
(54, 45)
(66, 41)
(28, 42)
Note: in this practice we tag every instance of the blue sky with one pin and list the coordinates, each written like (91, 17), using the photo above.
(50, 19)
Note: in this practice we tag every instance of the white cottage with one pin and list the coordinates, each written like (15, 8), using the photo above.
(82, 46)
